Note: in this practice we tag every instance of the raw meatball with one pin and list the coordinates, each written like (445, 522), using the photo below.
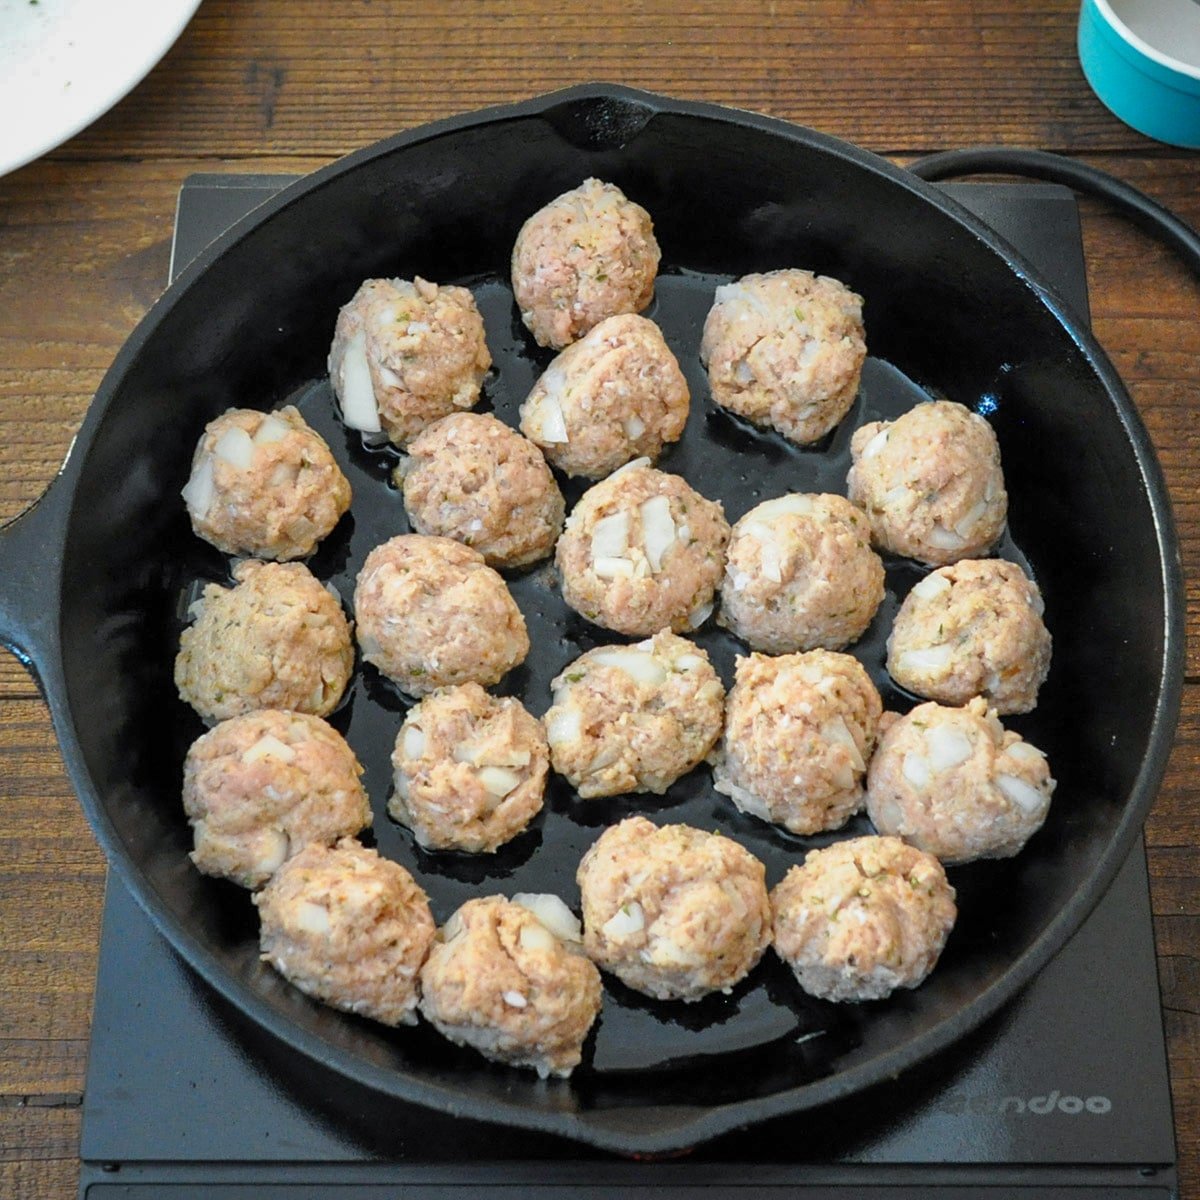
(260, 787)
(348, 928)
(615, 395)
(502, 982)
(634, 718)
(642, 552)
(800, 575)
(264, 484)
(470, 770)
(673, 911)
(785, 350)
(405, 354)
(862, 918)
(277, 639)
(472, 478)
(431, 613)
(799, 731)
(972, 629)
(589, 254)
(953, 782)
(930, 483)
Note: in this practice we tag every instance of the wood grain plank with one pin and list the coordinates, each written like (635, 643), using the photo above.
(244, 78)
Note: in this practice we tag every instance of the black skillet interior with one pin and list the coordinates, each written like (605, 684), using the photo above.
(945, 315)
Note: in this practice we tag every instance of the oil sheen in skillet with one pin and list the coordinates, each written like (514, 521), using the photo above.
(727, 460)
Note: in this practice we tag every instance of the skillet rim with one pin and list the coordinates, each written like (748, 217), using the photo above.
(624, 1130)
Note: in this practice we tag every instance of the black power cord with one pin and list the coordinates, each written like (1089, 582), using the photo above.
(1053, 168)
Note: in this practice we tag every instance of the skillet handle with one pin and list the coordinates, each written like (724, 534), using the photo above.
(31, 551)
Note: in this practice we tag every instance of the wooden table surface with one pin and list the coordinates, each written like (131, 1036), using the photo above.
(288, 85)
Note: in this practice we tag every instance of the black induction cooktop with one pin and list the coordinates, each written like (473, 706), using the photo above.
(1063, 1094)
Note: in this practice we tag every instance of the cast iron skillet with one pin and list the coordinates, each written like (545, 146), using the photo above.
(97, 577)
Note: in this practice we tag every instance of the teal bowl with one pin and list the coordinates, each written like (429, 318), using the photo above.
(1142, 58)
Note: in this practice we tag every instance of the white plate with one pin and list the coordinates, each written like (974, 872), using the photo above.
(65, 62)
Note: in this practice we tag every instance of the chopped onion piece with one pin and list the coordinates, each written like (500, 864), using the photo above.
(546, 420)
(1026, 751)
(916, 770)
(948, 747)
(669, 953)
(795, 503)
(564, 727)
(634, 427)
(536, 937)
(700, 614)
(1024, 795)
(645, 668)
(689, 662)
(658, 529)
(552, 913)
(838, 731)
(235, 447)
(275, 847)
(357, 393)
(876, 444)
(844, 777)
(628, 919)
(499, 781)
(754, 805)
(272, 430)
(515, 999)
(935, 658)
(768, 549)
(605, 757)
(632, 465)
(896, 495)
(964, 527)
(268, 746)
(312, 918)
(610, 536)
(944, 539)
(931, 587)
(613, 568)
(198, 492)
(414, 741)
(454, 926)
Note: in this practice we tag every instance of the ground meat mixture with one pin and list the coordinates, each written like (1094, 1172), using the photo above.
(785, 350)
(634, 718)
(953, 782)
(431, 613)
(504, 983)
(277, 639)
(930, 483)
(470, 770)
(471, 478)
(972, 629)
(405, 354)
(642, 552)
(800, 575)
(615, 395)
(260, 787)
(264, 485)
(862, 918)
(348, 928)
(799, 731)
(674, 912)
(587, 255)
